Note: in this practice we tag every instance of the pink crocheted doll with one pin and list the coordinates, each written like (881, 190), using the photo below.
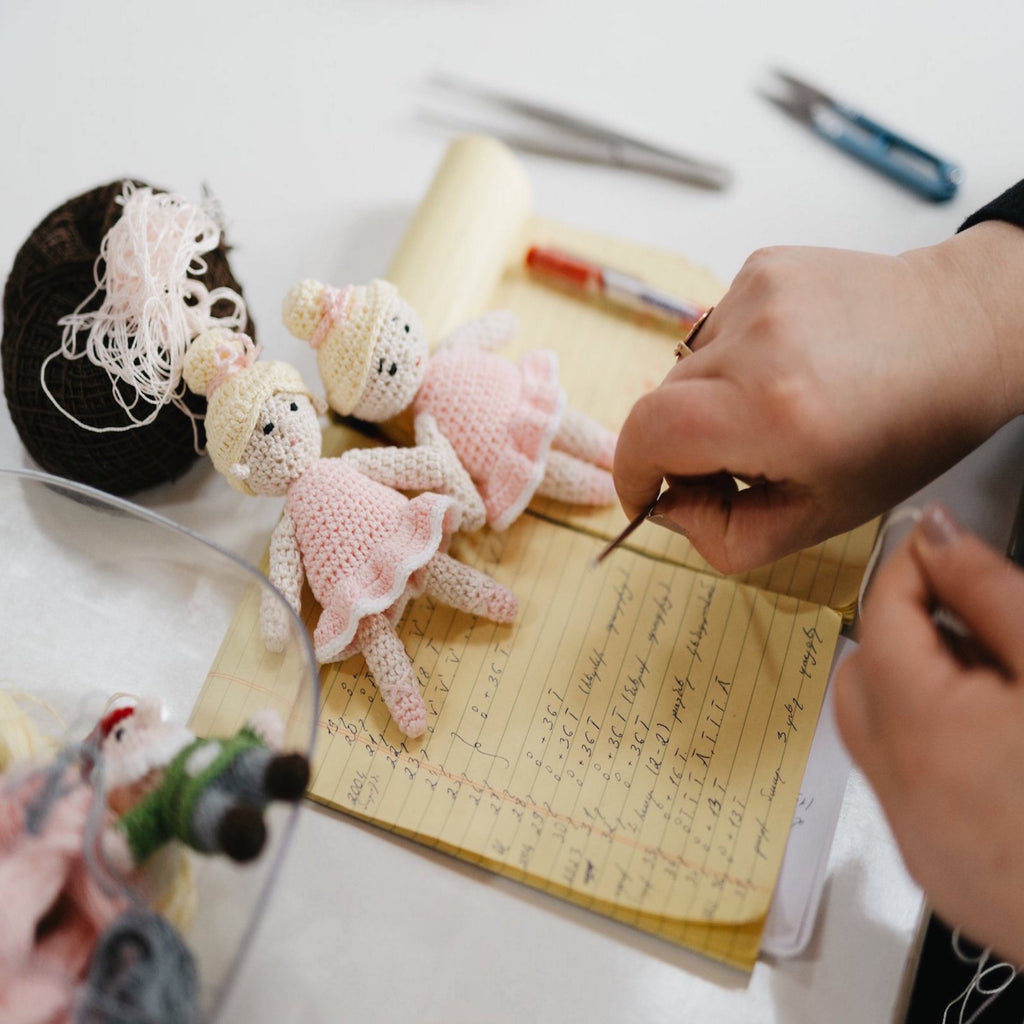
(364, 547)
(508, 422)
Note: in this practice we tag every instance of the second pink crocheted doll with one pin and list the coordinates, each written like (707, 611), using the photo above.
(508, 422)
(364, 547)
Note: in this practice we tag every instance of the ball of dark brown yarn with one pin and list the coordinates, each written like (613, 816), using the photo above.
(52, 275)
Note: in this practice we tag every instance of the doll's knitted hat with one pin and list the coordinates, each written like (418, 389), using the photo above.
(343, 325)
(224, 367)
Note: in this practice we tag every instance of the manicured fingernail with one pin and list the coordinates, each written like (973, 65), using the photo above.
(938, 526)
(660, 519)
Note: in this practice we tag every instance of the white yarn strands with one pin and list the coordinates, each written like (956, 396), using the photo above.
(152, 308)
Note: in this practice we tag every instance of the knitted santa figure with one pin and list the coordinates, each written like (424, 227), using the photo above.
(210, 794)
(364, 547)
(508, 422)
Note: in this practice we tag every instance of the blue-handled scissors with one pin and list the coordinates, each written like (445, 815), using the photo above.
(913, 167)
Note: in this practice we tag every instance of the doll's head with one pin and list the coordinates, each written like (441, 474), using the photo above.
(136, 744)
(261, 419)
(371, 347)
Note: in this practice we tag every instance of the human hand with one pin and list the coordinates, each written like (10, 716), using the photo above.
(835, 384)
(941, 738)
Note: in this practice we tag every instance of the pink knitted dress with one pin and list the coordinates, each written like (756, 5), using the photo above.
(361, 544)
(500, 418)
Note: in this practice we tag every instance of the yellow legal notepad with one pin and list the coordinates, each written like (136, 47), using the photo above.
(635, 742)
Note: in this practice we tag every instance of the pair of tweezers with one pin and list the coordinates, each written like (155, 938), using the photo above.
(855, 133)
(551, 132)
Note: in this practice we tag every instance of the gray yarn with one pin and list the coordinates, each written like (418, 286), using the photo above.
(207, 814)
(141, 973)
(246, 773)
(240, 783)
(38, 810)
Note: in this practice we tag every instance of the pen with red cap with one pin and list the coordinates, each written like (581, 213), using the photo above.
(614, 285)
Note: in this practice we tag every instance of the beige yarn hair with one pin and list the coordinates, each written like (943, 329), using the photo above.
(223, 367)
(343, 325)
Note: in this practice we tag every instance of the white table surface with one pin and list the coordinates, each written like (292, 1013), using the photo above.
(303, 119)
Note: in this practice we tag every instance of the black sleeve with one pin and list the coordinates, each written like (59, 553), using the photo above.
(1009, 207)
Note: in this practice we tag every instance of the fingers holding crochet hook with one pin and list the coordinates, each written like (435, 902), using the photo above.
(682, 349)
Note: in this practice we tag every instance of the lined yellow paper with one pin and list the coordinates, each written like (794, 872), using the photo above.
(635, 741)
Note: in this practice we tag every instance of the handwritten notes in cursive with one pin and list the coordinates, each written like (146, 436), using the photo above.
(634, 743)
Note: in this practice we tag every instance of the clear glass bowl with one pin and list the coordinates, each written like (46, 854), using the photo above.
(101, 597)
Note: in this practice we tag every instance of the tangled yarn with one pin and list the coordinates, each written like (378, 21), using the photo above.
(149, 274)
(101, 302)
(141, 972)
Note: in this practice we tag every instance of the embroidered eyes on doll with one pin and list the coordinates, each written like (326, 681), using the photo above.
(287, 441)
(397, 364)
(346, 528)
(508, 422)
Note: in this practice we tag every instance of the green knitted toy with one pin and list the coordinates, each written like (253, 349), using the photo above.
(208, 793)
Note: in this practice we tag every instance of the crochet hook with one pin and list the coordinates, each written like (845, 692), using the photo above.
(633, 524)
(681, 349)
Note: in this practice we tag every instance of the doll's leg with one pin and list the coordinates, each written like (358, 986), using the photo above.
(389, 663)
(569, 479)
(585, 438)
(259, 774)
(468, 590)
(220, 823)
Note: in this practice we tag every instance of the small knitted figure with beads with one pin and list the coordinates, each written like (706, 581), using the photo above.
(364, 547)
(508, 422)
(209, 793)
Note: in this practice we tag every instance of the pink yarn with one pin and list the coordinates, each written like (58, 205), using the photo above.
(236, 352)
(52, 910)
(33, 997)
(151, 304)
(335, 304)
(500, 418)
(361, 543)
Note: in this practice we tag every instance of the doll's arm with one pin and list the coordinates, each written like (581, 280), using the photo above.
(137, 834)
(489, 331)
(267, 725)
(286, 575)
(456, 481)
(420, 468)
